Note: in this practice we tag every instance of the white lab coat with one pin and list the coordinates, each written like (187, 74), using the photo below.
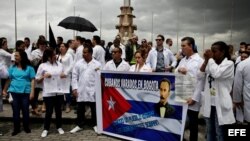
(223, 75)
(67, 63)
(83, 79)
(168, 58)
(144, 68)
(71, 52)
(99, 54)
(55, 85)
(110, 65)
(242, 86)
(192, 65)
(5, 58)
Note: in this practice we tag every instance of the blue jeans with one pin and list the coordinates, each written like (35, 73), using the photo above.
(20, 102)
(214, 130)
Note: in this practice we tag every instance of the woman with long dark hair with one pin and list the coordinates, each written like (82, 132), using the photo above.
(21, 87)
(51, 74)
(218, 105)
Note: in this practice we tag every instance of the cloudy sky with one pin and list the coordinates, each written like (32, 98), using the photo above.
(170, 17)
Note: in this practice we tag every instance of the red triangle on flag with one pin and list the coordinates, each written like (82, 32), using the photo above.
(114, 106)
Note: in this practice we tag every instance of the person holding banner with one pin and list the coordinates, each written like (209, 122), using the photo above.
(218, 105)
(117, 63)
(83, 86)
(190, 65)
(140, 65)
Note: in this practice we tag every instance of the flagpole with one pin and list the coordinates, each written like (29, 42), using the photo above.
(231, 23)
(204, 26)
(46, 19)
(15, 22)
(101, 23)
(178, 27)
(152, 27)
(74, 33)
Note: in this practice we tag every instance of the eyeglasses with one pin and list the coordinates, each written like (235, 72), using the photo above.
(143, 42)
(158, 39)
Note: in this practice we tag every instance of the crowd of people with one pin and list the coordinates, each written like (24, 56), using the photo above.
(67, 71)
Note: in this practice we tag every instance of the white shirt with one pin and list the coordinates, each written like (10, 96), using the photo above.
(78, 55)
(36, 56)
(168, 58)
(123, 50)
(99, 54)
(241, 89)
(223, 75)
(28, 51)
(192, 65)
(67, 63)
(5, 58)
(110, 65)
(83, 79)
(55, 85)
(144, 68)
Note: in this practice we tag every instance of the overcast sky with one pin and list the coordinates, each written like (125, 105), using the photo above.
(185, 17)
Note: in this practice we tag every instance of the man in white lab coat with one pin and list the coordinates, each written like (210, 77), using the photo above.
(117, 63)
(98, 50)
(83, 86)
(190, 65)
(241, 89)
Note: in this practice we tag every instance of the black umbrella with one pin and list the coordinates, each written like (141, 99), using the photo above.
(78, 24)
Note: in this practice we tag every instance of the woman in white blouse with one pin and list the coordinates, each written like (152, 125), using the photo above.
(51, 73)
(140, 65)
(67, 62)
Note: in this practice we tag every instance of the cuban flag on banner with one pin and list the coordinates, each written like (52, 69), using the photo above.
(133, 113)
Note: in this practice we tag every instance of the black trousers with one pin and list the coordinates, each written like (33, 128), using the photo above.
(51, 103)
(193, 124)
(81, 119)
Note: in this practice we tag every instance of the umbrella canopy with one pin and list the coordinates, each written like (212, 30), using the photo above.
(78, 24)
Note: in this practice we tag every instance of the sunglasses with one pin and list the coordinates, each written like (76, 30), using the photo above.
(114, 52)
(158, 39)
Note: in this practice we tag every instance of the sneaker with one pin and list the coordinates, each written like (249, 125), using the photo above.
(60, 131)
(95, 128)
(76, 129)
(44, 133)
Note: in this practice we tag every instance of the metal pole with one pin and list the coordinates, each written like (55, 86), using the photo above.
(231, 23)
(74, 33)
(178, 27)
(15, 23)
(46, 19)
(152, 28)
(101, 23)
(204, 26)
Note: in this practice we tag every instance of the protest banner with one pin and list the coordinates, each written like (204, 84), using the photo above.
(129, 106)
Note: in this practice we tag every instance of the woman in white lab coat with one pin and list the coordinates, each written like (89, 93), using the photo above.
(140, 65)
(67, 62)
(51, 73)
(218, 105)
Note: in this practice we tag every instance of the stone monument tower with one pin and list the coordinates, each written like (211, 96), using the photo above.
(126, 27)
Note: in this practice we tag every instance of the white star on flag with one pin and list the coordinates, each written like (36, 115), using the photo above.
(111, 103)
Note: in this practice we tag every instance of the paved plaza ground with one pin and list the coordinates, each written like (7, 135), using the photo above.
(87, 134)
